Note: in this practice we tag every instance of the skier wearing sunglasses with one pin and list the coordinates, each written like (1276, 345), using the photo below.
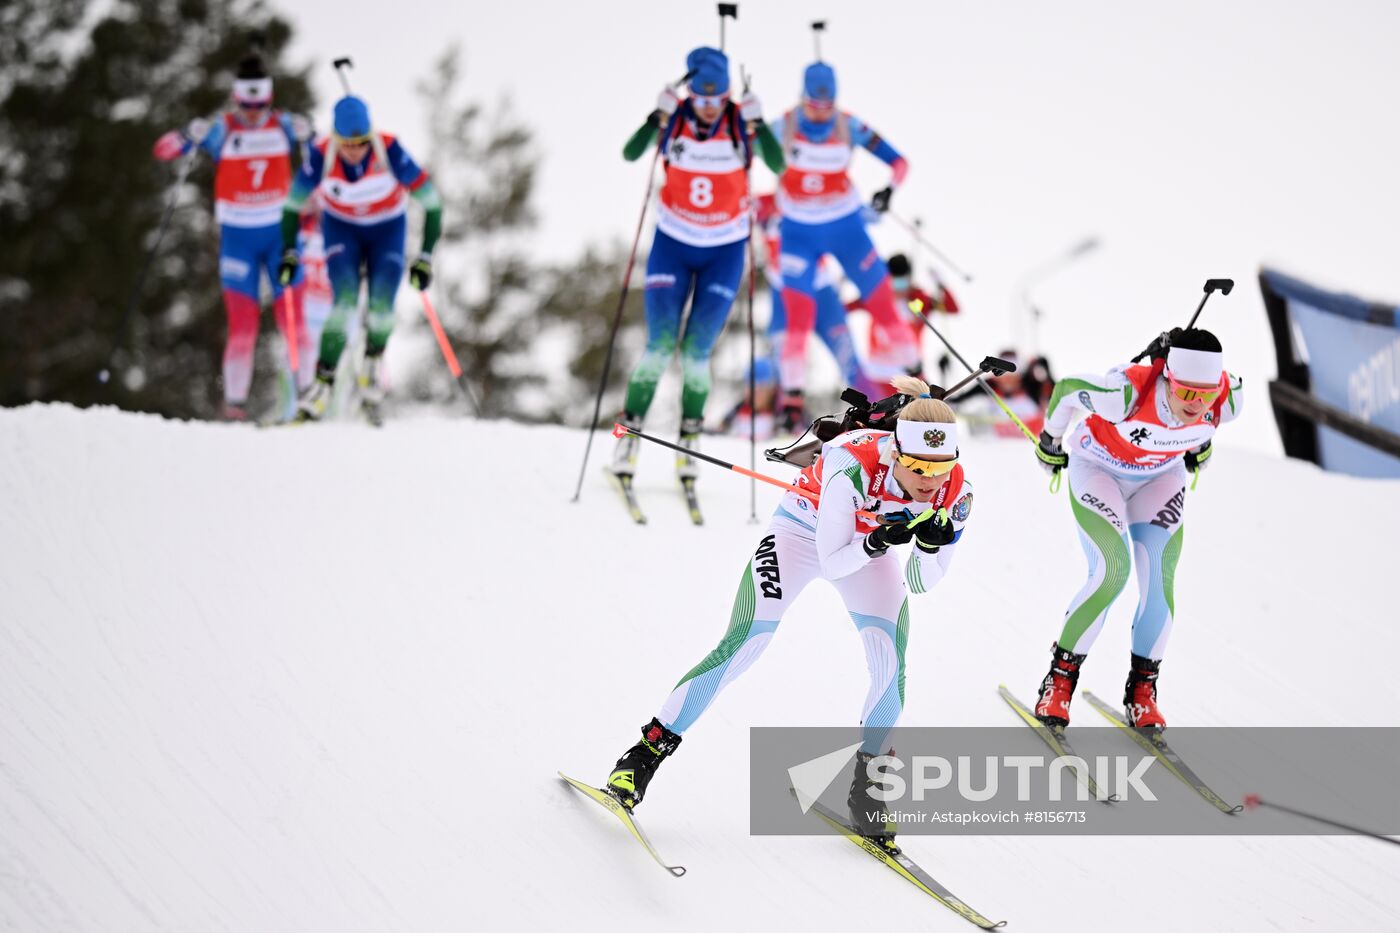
(869, 490)
(1146, 426)
(364, 178)
(823, 213)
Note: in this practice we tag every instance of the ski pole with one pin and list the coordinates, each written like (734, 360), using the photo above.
(818, 27)
(621, 430)
(290, 331)
(186, 163)
(616, 323)
(919, 238)
(753, 340)
(1252, 801)
(996, 396)
(447, 353)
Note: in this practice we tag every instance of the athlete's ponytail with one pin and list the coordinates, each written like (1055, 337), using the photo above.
(923, 408)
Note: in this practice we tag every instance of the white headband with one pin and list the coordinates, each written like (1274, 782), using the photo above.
(926, 438)
(253, 89)
(1202, 366)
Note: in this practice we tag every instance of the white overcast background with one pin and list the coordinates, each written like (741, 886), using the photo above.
(1195, 139)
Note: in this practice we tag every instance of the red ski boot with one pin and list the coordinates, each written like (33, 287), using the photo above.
(1057, 689)
(1140, 696)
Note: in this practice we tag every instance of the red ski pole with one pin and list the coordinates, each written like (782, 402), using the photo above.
(290, 332)
(621, 430)
(447, 352)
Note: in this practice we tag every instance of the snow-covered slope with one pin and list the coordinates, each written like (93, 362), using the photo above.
(322, 679)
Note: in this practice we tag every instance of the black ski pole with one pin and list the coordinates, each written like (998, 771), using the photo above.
(919, 238)
(1252, 801)
(186, 162)
(995, 395)
(818, 27)
(616, 323)
(753, 340)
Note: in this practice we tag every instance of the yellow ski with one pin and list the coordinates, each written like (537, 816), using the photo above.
(1055, 738)
(905, 867)
(1151, 741)
(611, 804)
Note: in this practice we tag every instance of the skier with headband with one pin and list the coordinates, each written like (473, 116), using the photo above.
(867, 491)
(1146, 426)
(251, 146)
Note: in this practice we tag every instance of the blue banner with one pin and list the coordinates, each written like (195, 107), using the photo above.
(1352, 350)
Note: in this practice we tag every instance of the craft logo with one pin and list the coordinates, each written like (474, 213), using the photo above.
(1105, 508)
(934, 437)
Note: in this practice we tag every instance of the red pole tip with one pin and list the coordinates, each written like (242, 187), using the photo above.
(1251, 801)
(620, 429)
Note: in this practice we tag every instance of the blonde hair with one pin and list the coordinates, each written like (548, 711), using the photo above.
(922, 409)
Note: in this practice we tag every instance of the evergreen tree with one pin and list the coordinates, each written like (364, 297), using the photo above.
(531, 337)
(81, 196)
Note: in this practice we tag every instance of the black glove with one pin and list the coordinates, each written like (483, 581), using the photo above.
(932, 530)
(879, 540)
(420, 274)
(1198, 458)
(287, 268)
(881, 201)
(1051, 455)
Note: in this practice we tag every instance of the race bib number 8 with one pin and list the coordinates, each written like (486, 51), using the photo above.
(702, 191)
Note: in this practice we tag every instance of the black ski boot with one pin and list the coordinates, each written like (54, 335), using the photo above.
(869, 817)
(633, 771)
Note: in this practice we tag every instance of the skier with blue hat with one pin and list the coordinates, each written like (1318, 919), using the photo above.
(707, 143)
(365, 179)
(822, 213)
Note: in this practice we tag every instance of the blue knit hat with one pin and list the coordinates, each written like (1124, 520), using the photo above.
(351, 118)
(819, 81)
(710, 69)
